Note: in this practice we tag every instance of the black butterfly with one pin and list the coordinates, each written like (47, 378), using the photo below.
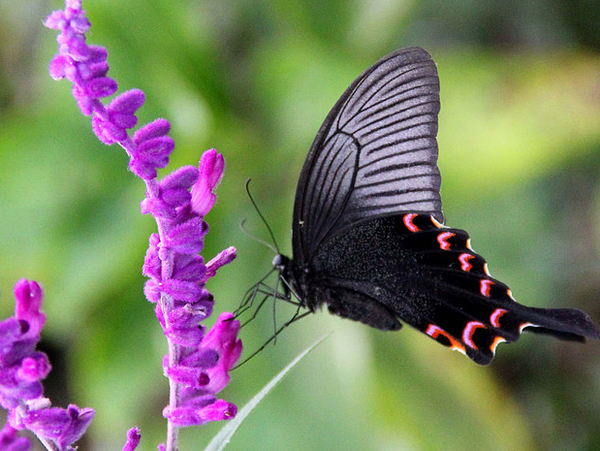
(368, 238)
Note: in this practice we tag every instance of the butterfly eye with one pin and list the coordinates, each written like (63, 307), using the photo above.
(280, 262)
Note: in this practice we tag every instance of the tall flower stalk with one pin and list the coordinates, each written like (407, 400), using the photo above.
(198, 362)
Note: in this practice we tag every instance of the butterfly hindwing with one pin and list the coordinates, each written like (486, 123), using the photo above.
(412, 268)
(375, 154)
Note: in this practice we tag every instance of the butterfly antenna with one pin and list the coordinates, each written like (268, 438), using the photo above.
(261, 216)
(254, 237)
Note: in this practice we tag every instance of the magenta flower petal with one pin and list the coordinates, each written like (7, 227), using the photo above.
(211, 168)
(189, 267)
(223, 339)
(98, 54)
(142, 168)
(219, 410)
(79, 421)
(28, 304)
(123, 120)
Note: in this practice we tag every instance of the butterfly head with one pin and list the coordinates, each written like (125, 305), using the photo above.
(280, 262)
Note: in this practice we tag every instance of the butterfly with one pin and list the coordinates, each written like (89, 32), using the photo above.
(368, 236)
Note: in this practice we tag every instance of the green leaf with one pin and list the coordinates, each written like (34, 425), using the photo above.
(222, 438)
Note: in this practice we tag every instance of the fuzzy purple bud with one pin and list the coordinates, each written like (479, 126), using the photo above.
(187, 238)
(28, 304)
(223, 258)
(10, 441)
(34, 368)
(56, 20)
(152, 291)
(133, 439)
(182, 178)
(101, 87)
(128, 102)
(156, 150)
(191, 416)
(192, 377)
(183, 290)
(189, 267)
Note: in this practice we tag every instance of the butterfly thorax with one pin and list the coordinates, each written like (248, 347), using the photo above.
(298, 280)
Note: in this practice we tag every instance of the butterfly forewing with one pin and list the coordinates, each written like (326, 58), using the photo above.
(375, 154)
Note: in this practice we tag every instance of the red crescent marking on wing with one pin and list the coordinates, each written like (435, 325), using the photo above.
(443, 240)
(470, 328)
(408, 222)
(495, 317)
(495, 343)
(484, 287)
(434, 331)
(464, 261)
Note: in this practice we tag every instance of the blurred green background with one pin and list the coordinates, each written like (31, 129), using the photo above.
(520, 158)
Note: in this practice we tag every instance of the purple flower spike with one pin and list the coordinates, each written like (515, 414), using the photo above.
(198, 364)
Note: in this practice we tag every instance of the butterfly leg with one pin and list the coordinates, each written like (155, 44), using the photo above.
(297, 316)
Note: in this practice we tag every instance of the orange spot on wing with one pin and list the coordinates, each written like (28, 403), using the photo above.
(495, 343)
(436, 223)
